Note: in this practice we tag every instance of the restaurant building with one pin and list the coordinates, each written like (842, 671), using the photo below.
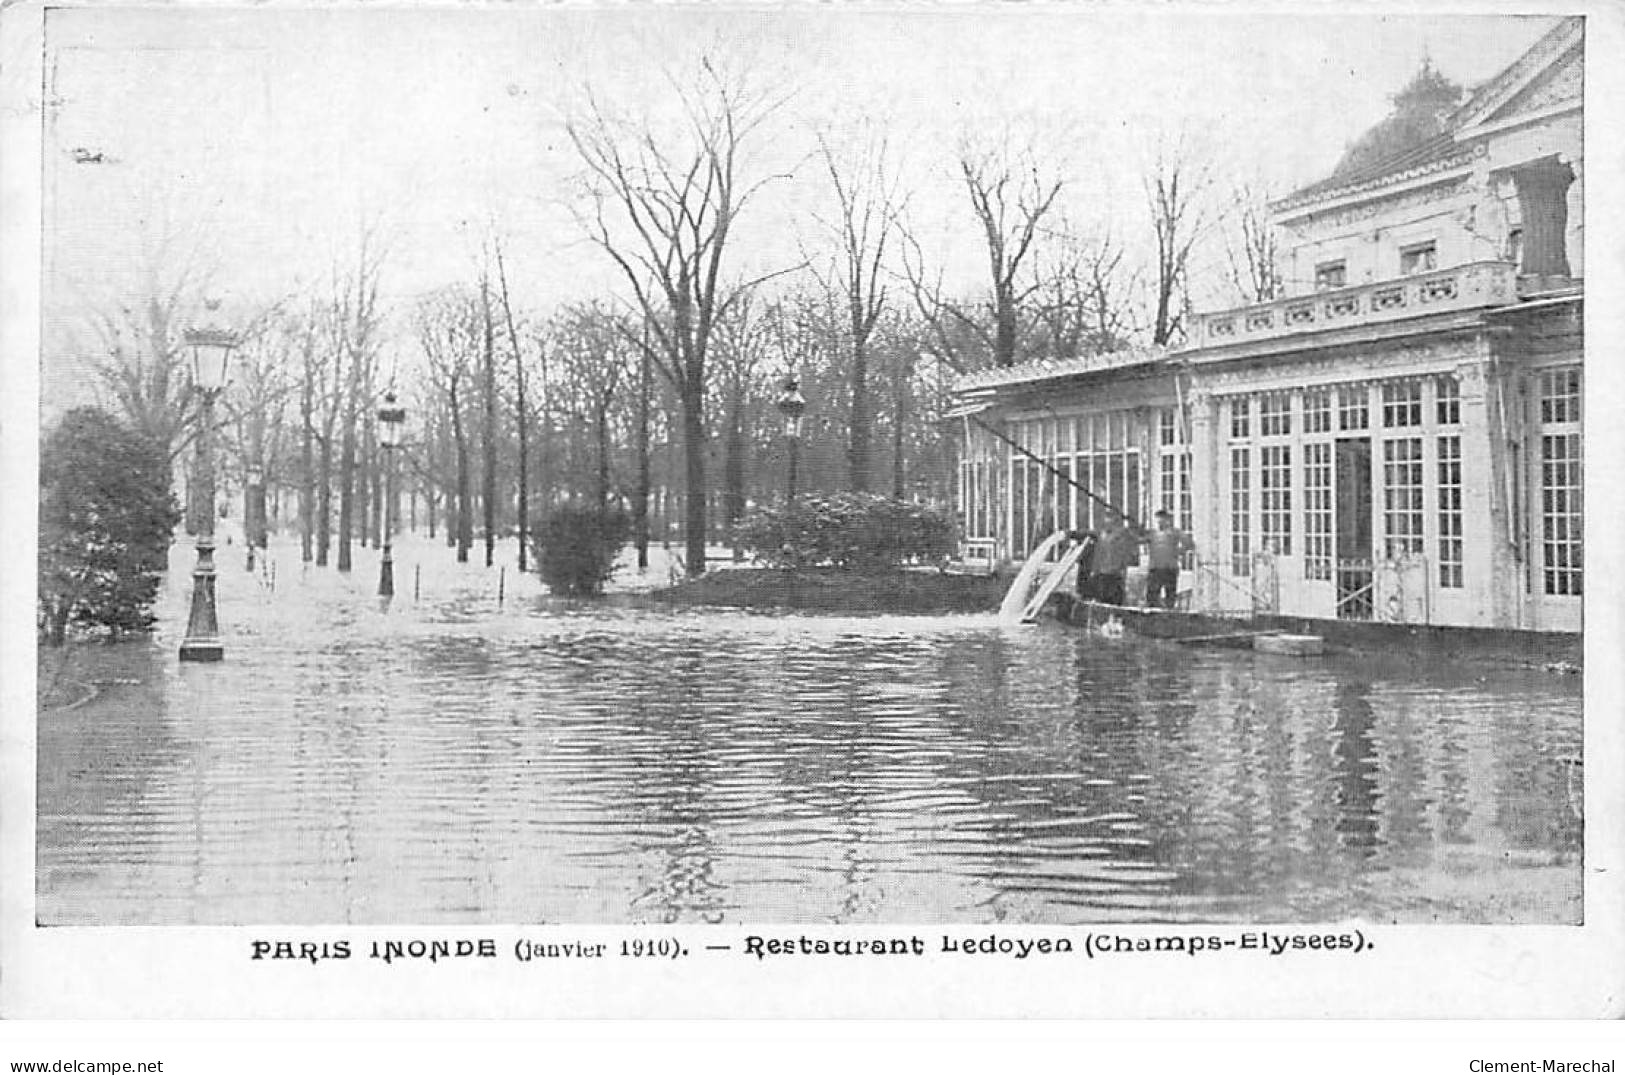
(1398, 436)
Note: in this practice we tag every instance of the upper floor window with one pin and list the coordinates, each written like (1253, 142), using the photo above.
(1447, 397)
(1418, 257)
(1240, 411)
(1560, 396)
(1331, 274)
(1514, 252)
(1274, 414)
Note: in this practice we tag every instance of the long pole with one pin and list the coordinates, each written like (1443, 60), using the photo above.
(1057, 472)
(202, 641)
(386, 567)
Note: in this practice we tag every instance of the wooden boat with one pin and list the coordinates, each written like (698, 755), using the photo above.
(1188, 628)
(1553, 652)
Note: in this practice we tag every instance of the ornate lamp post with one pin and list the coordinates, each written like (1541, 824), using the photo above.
(792, 404)
(210, 350)
(391, 420)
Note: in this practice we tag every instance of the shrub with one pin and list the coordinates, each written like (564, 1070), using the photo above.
(106, 521)
(576, 547)
(852, 530)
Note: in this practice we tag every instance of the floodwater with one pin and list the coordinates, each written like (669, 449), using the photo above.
(451, 759)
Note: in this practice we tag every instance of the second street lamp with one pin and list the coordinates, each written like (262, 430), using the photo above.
(210, 349)
(792, 404)
(391, 420)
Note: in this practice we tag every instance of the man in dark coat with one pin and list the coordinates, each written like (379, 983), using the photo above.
(1085, 584)
(1117, 550)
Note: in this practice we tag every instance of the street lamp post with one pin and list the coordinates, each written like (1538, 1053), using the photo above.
(210, 349)
(792, 404)
(391, 419)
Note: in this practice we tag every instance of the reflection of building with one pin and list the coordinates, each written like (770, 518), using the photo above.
(1398, 436)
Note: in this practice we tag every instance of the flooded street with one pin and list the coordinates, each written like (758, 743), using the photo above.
(450, 760)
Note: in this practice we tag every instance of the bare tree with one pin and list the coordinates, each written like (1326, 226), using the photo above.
(1081, 305)
(593, 359)
(521, 407)
(1251, 248)
(663, 203)
(1175, 188)
(261, 388)
(743, 339)
(357, 327)
(1011, 196)
(868, 206)
(488, 417)
(142, 365)
(311, 359)
(949, 334)
(449, 329)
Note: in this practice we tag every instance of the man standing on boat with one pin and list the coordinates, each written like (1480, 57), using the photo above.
(1167, 543)
(1085, 581)
(1117, 550)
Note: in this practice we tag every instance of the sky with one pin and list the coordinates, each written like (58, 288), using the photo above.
(264, 138)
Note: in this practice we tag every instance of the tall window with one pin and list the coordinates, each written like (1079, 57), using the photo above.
(1447, 400)
(1173, 469)
(1401, 404)
(1240, 411)
(1241, 559)
(1402, 496)
(1108, 463)
(1274, 414)
(1317, 410)
(1275, 497)
(1317, 510)
(1560, 396)
(1353, 402)
(1560, 482)
(1450, 571)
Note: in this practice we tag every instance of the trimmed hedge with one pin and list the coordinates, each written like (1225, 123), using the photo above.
(851, 530)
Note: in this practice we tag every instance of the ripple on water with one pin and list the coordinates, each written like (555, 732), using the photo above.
(459, 760)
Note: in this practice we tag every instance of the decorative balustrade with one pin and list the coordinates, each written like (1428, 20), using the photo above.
(1481, 283)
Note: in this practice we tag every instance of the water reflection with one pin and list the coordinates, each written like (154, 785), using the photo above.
(455, 761)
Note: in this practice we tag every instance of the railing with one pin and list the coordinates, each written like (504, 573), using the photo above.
(1356, 590)
(1465, 287)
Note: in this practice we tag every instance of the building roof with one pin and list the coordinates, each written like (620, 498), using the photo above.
(1028, 373)
(1421, 143)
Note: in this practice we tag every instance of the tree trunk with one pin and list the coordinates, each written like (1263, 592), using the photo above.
(524, 477)
(640, 503)
(1004, 330)
(307, 476)
(601, 436)
(733, 467)
(324, 504)
(488, 431)
(694, 513)
(465, 514)
(899, 468)
(521, 418)
(376, 489)
(347, 462)
(860, 452)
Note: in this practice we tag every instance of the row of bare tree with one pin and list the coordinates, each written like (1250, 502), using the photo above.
(640, 400)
